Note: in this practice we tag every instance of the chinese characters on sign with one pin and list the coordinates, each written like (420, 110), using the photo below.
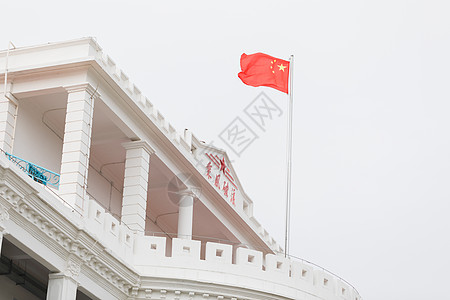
(221, 177)
(208, 170)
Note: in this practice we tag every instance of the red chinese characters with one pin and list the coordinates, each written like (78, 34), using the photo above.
(217, 181)
(225, 188)
(208, 170)
(224, 183)
(233, 195)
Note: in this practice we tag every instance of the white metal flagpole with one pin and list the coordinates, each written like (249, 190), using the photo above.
(289, 157)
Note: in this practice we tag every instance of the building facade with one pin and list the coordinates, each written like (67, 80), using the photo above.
(100, 197)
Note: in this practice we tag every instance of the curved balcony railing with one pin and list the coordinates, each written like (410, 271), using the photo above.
(238, 244)
(96, 212)
(38, 173)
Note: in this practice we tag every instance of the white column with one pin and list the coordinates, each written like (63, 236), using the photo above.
(185, 217)
(7, 123)
(61, 286)
(76, 145)
(134, 202)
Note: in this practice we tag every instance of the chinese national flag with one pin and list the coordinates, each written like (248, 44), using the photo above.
(260, 69)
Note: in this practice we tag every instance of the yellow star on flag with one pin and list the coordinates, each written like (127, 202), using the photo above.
(281, 67)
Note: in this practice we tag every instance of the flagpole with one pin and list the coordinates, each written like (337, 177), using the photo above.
(289, 157)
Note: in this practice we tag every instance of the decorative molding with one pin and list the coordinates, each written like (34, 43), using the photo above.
(78, 253)
(81, 88)
(10, 195)
(73, 269)
(4, 215)
(139, 145)
(134, 291)
(177, 295)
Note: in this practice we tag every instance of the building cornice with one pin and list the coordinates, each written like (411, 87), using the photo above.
(74, 42)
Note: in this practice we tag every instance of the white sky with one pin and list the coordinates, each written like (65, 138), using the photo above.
(371, 198)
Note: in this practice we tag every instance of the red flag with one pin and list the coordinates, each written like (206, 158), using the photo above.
(260, 69)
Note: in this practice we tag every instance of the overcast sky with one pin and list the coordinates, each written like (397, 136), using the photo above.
(371, 170)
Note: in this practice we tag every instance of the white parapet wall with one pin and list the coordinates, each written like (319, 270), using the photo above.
(243, 268)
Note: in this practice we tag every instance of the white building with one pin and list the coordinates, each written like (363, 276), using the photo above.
(132, 210)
